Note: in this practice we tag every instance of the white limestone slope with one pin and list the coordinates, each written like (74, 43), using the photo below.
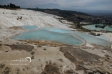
(9, 18)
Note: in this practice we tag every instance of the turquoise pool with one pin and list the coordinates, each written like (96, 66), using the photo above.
(62, 36)
(58, 30)
(92, 27)
(57, 35)
(94, 40)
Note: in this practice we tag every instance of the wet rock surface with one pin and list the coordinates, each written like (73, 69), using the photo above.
(90, 63)
(78, 54)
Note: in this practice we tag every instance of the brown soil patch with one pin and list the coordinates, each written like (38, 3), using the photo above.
(51, 69)
(27, 48)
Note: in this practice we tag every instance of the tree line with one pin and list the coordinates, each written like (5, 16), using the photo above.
(10, 6)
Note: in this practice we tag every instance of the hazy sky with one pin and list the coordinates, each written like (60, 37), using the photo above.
(65, 4)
